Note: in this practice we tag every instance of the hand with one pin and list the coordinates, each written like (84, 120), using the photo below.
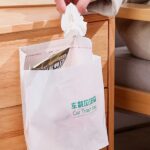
(81, 5)
(61, 5)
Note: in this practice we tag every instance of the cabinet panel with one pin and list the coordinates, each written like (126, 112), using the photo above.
(9, 52)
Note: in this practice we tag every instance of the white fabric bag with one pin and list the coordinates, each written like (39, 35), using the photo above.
(64, 109)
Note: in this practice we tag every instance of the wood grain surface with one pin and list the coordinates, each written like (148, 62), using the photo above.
(31, 18)
(133, 100)
(6, 3)
(111, 81)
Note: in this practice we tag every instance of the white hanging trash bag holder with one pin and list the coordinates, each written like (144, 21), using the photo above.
(63, 108)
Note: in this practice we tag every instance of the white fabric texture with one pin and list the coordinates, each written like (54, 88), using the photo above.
(72, 22)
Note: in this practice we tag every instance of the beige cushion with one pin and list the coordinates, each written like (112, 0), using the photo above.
(136, 35)
(130, 71)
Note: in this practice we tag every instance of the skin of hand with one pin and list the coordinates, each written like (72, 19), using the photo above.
(60, 5)
(81, 5)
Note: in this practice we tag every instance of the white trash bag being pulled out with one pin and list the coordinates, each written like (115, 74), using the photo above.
(63, 93)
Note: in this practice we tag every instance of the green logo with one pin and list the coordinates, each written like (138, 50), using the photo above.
(82, 107)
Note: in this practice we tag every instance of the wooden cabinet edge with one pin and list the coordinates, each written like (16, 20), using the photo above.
(111, 83)
(34, 24)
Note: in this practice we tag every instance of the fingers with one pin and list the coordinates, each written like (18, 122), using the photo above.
(82, 6)
(60, 5)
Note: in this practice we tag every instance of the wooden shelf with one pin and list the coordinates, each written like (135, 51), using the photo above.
(33, 18)
(135, 12)
(10, 3)
(23, 19)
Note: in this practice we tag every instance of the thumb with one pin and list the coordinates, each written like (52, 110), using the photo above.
(82, 5)
(60, 5)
